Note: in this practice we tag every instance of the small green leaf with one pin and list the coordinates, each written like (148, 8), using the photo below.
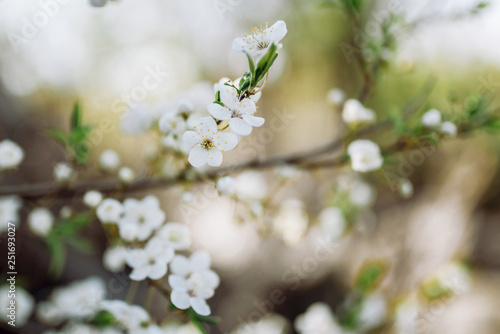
(82, 245)
(252, 68)
(58, 135)
(76, 117)
(264, 64)
(369, 276)
(103, 319)
(58, 255)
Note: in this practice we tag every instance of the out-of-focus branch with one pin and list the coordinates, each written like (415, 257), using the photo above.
(304, 160)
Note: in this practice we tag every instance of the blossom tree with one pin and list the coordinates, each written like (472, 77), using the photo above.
(158, 254)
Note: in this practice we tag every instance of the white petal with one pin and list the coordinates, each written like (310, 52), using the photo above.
(177, 283)
(277, 31)
(180, 299)
(227, 141)
(200, 261)
(240, 127)
(198, 156)
(239, 45)
(253, 120)
(247, 106)
(191, 138)
(138, 274)
(219, 112)
(214, 158)
(200, 306)
(180, 265)
(211, 279)
(136, 258)
(205, 125)
(157, 271)
(166, 256)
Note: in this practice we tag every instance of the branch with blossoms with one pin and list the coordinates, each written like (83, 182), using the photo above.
(156, 251)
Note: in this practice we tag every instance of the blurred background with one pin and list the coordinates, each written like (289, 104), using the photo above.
(54, 53)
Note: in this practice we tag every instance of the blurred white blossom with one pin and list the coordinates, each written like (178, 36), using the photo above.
(11, 155)
(63, 172)
(151, 261)
(40, 221)
(24, 304)
(109, 160)
(365, 155)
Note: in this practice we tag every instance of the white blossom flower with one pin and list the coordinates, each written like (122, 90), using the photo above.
(109, 160)
(109, 211)
(251, 185)
(172, 123)
(373, 312)
(140, 218)
(238, 113)
(332, 223)
(291, 221)
(175, 235)
(336, 96)
(131, 317)
(354, 113)
(40, 221)
(259, 40)
(126, 175)
(11, 155)
(406, 188)
(79, 300)
(365, 155)
(9, 211)
(92, 198)
(432, 118)
(63, 172)
(207, 143)
(192, 282)
(226, 186)
(114, 258)
(136, 121)
(151, 261)
(24, 304)
(362, 194)
(318, 319)
(448, 128)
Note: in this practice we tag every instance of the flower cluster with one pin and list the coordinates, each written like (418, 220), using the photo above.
(191, 279)
(235, 101)
(433, 119)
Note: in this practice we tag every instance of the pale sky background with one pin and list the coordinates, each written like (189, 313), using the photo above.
(73, 52)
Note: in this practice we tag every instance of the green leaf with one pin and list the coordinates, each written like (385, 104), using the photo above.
(58, 255)
(353, 6)
(397, 121)
(369, 276)
(58, 135)
(76, 117)
(199, 326)
(83, 245)
(103, 318)
(264, 64)
(251, 65)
